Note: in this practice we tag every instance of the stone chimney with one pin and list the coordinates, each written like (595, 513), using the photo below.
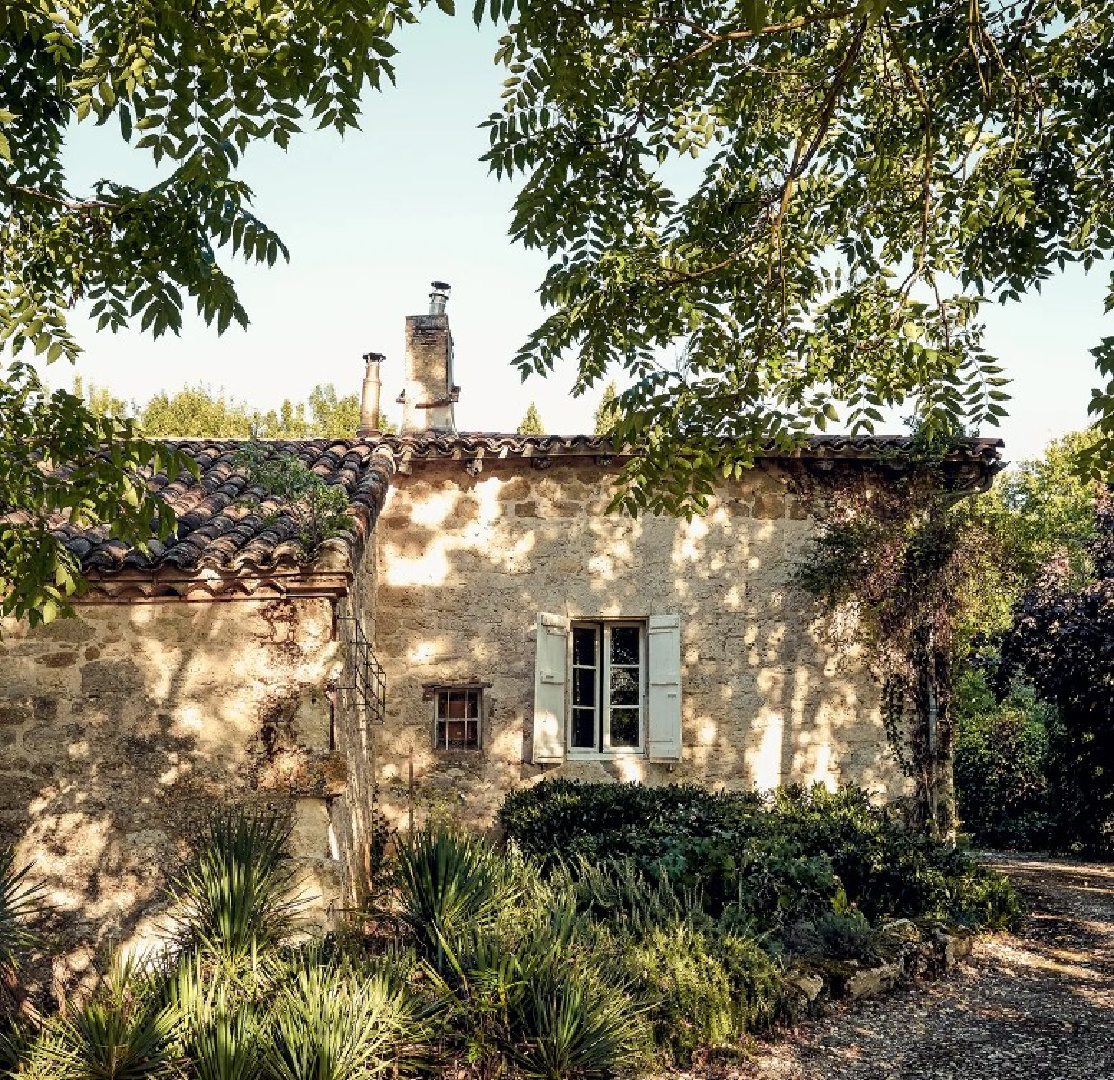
(369, 398)
(428, 390)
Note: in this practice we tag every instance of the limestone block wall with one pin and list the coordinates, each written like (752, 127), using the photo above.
(466, 563)
(121, 730)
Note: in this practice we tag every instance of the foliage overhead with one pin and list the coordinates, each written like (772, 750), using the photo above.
(193, 86)
(62, 463)
(805, 202)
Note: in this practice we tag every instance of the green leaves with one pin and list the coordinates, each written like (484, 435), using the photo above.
(762, 209)
(63, 466)
(193, 86)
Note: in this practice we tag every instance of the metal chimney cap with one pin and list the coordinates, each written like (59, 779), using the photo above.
(374, 357)
(438, 297)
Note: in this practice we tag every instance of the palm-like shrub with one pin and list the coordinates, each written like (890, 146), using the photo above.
(331, 1023)
(572, 1025)
(22, 904)
(449, 885)
(219, 1011)
(123, 1032)
(225, 1042)
(237, 900)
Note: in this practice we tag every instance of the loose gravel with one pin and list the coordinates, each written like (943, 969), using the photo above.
(1035, 1006)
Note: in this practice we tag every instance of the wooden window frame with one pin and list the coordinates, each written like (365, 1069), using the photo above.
(443, 694)
(602, 705)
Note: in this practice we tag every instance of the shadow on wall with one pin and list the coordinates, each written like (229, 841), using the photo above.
(122, 730)
(468, 562)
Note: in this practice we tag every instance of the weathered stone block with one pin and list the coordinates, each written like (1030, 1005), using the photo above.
(111, 677)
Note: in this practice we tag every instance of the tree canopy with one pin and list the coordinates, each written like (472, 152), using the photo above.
(199, 412)
(531, 422)
(770, 215)
(862, 176)
(192, 85)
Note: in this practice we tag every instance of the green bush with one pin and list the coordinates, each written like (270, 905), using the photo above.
(761, 863)
(1001, 765)
(237, 898)
(122, 1032)
(836, 935)
(329, 1023)
(707, 990)
(569, 1023)
(451, 885)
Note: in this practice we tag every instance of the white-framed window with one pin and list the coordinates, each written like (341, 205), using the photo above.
(607, 687)
(457, 717)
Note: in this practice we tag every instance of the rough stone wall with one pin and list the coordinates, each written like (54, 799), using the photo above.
(466, 563)
(121, 730)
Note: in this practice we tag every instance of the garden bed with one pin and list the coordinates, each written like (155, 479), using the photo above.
(619, 929)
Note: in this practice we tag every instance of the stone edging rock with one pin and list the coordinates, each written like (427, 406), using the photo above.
(911, 949)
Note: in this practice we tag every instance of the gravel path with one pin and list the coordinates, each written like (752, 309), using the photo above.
(1038, 1006)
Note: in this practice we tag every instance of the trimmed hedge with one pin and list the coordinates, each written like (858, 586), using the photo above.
(763, 862)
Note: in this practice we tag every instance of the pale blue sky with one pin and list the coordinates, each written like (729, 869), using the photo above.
(372, 218)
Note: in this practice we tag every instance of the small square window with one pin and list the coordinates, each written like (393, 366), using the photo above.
(457, 720)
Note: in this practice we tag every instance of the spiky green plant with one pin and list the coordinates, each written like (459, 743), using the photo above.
(123, 1032)
(225, 1042)
(237, 899)
(572, 1025)
(22, 905)
(450, 884)
(219, 1008)
(329, 1023)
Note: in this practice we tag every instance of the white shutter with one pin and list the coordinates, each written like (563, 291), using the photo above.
(550, 662)
(664, 663)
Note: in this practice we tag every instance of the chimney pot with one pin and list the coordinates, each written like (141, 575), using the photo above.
(370, 396)
(439, 297)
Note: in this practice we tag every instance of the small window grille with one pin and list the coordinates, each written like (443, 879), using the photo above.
(457, 725)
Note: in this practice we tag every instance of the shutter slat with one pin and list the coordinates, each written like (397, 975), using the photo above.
(664, 663)
(550, 660)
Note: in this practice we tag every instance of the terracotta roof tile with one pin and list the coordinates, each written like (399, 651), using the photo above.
(218, 530)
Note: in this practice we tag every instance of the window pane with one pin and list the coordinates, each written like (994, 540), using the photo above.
(624, 644)
(624, 686)
(454, 704)
(584, 688)
(584, 646)
(472, 704)
(624, 727)
(584, 729)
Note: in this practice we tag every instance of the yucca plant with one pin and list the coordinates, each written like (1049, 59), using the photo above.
(123, 1032)
(329, 1023)
(22, 906)
(237, 900)
(224, 1041)
(218, 1007)
(570, 1024)
(449, 884)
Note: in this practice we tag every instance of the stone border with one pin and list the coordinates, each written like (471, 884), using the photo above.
(913, 949)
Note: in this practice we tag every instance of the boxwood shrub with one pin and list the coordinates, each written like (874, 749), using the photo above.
(763, 861)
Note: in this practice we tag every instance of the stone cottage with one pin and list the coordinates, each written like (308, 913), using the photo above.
(482, 624)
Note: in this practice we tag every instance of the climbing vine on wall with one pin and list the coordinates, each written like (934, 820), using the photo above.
(904, 562)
